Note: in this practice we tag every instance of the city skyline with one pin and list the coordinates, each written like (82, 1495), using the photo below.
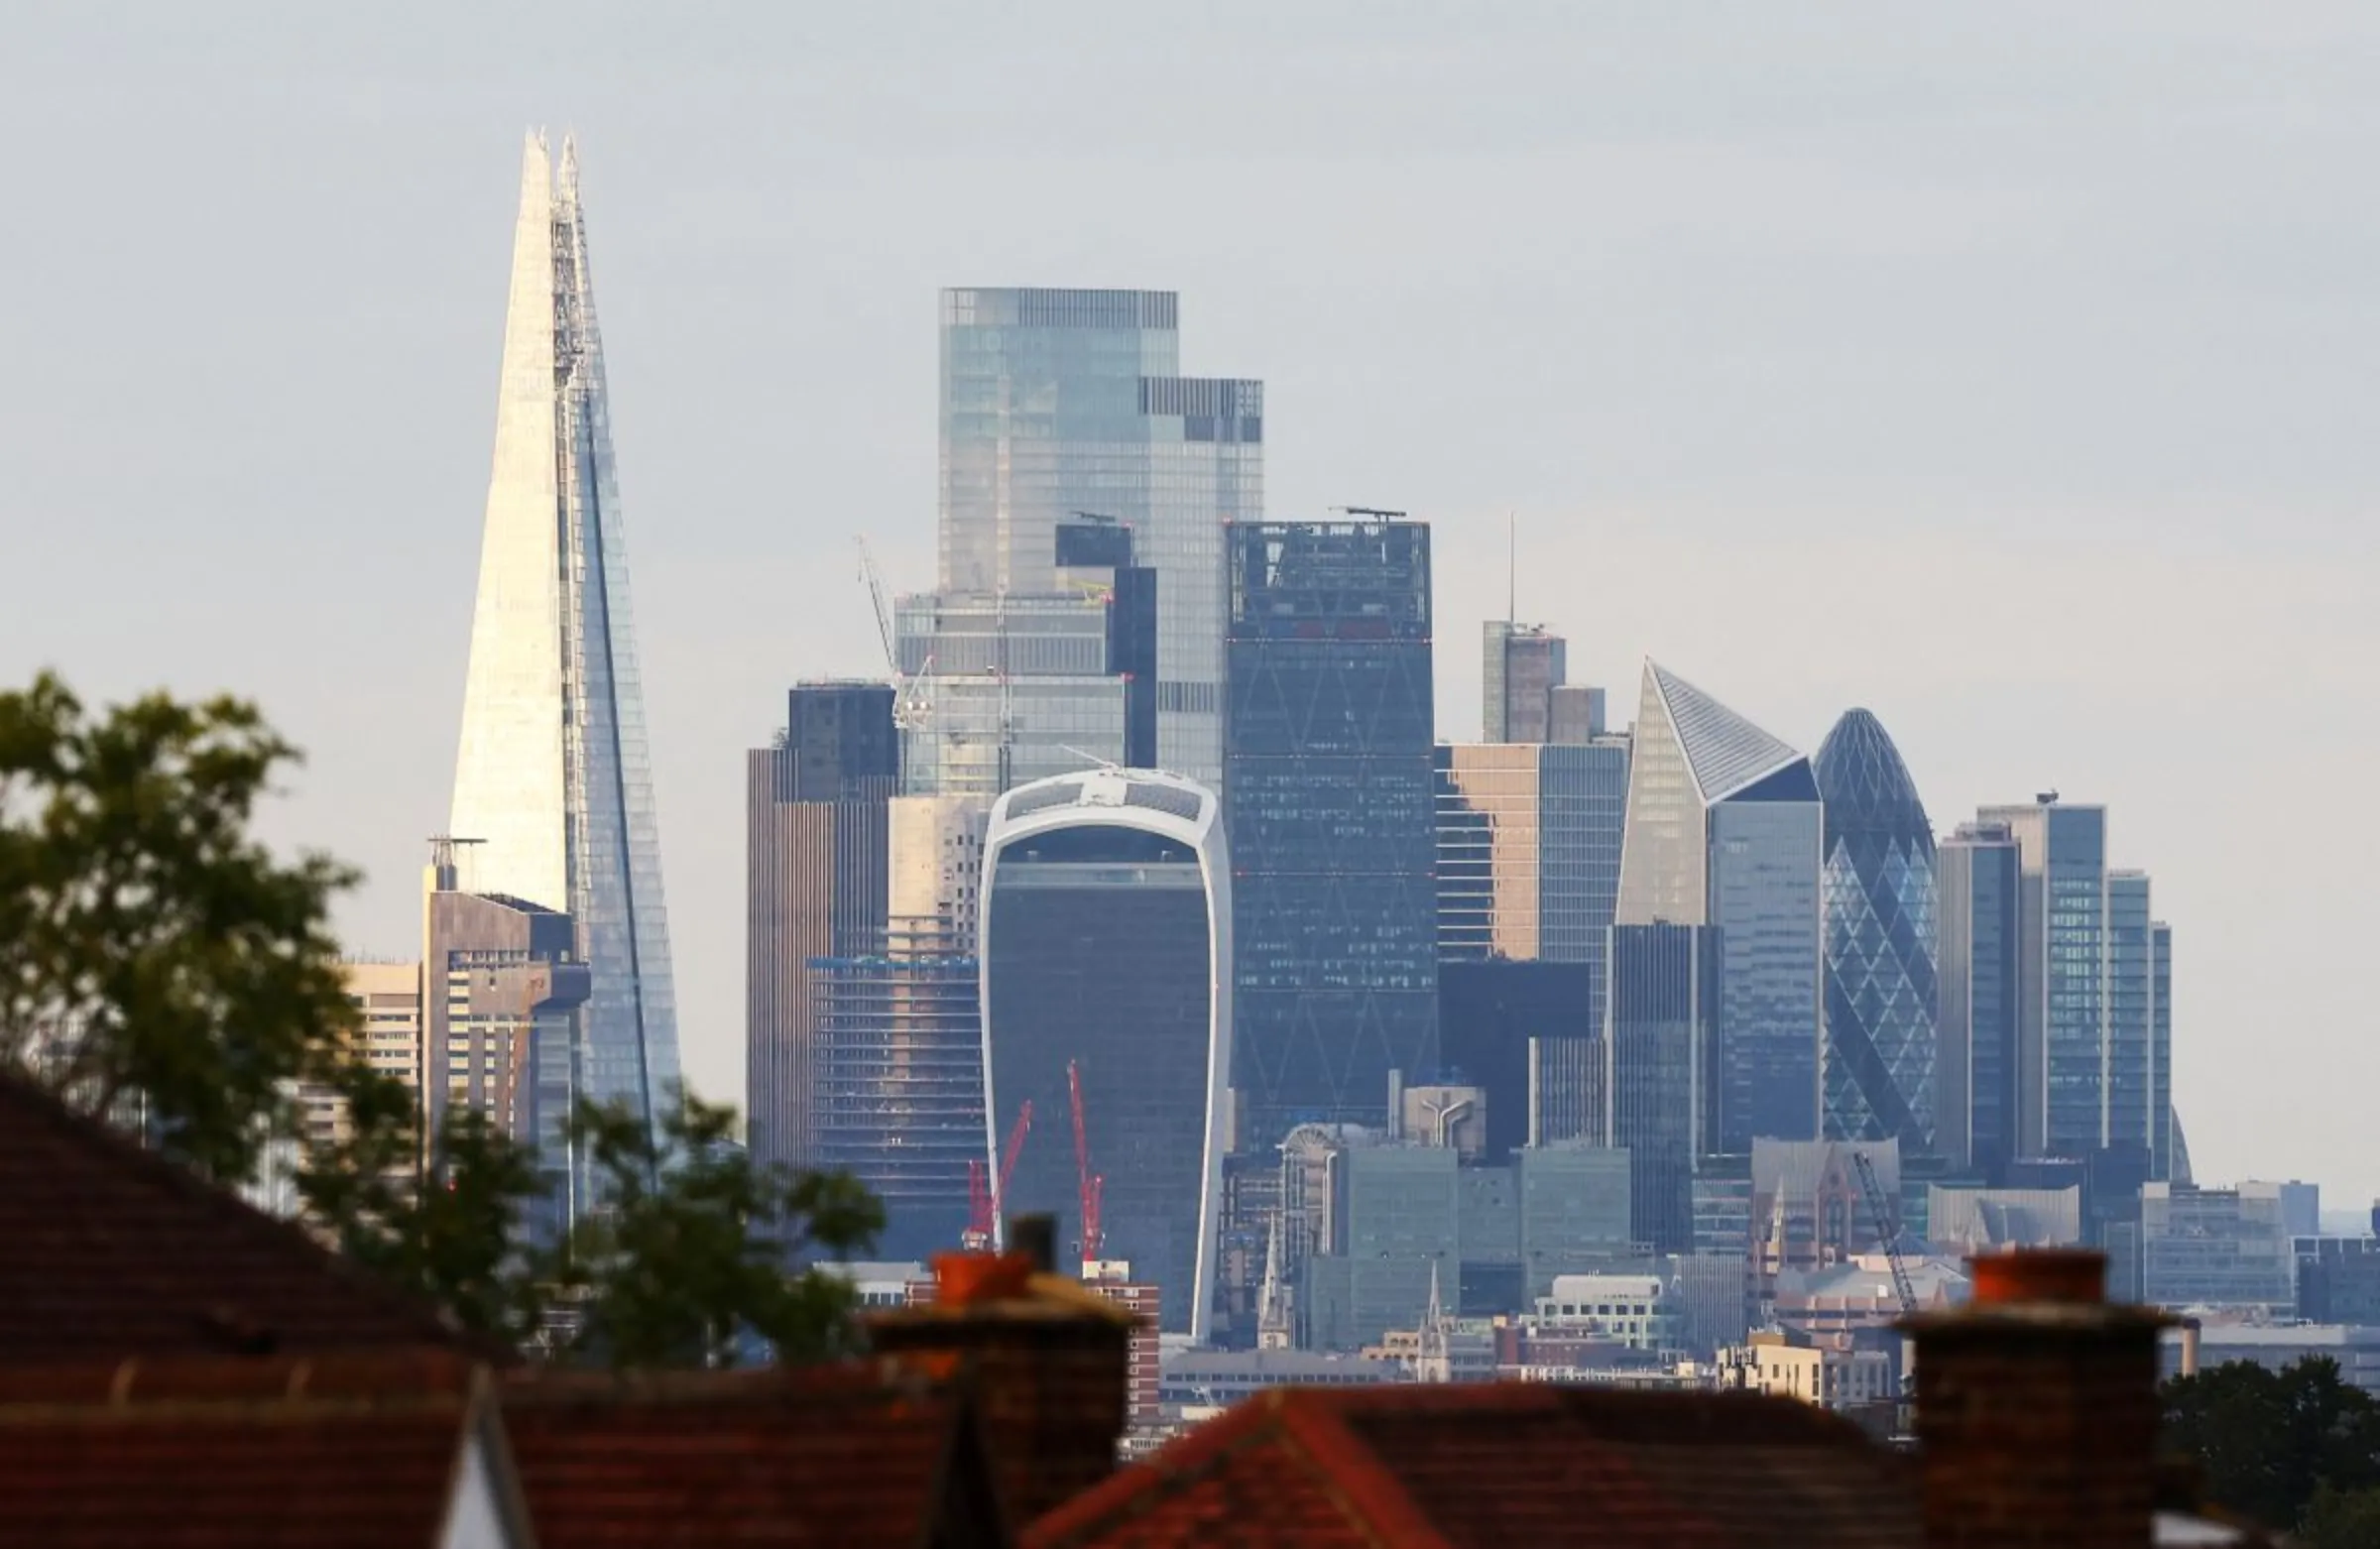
(223, 496)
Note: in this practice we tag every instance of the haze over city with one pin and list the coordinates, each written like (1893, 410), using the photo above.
(2006, 374)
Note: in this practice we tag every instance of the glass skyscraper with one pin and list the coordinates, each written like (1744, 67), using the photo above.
(1106, 949)
(1880, 904)
(2061, 1027)
(1528, 848)
(1724, 829)
(1975, 1042)
(552, 778)
(1059, 402)
(1327, 796)
(1661, 1075)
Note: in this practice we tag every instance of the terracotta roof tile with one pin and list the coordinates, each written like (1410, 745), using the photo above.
(1499, 1465)
(211, 1460)
(860, 1456)
(112, 1252)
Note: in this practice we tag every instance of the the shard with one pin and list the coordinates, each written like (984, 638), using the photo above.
(553, 780)
(1882, 904)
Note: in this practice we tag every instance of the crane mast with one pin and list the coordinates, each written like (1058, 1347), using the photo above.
(1089, 1185)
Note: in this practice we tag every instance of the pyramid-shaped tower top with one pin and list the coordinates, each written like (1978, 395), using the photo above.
(1725, 753)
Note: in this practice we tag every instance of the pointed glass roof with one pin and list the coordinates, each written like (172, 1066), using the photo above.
(1725, 753)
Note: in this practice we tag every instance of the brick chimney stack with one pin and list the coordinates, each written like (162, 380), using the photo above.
(1046, 1358)
(2037, 1409)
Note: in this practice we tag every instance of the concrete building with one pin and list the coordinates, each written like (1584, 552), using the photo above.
(1781, 1364)
(2275, 1347)
(816, 844)
(1985, 1221)
(1490, 1014)
(2216, 1247)
(1521, 666)
(1632, 1310)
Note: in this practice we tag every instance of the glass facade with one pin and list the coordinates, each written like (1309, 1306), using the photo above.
(2139, 1022)
(1880, 899)
(1488, 1013)
(1055, 403)
(1661, 1035)
(1328, 799)
(1724, 829)
(1106, 940)
(2062, 1030)
(2216, 1247)
(1528, 849)
(552, 775)
(1975, 1087)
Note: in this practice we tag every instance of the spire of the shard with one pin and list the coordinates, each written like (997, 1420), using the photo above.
(553, 771)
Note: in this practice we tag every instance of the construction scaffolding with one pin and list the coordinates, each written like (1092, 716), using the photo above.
(898, 1081)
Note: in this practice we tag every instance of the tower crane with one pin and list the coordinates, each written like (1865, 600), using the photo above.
(1090, 1185)
(985, 1195)
(911, 702)
(1886, 1228)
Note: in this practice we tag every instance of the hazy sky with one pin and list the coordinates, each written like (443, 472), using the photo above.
(2005, 369)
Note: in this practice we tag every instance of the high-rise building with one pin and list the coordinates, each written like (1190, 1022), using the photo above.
(1489, 1014)
(1880, 904)
(1016, 687)
(2095, 979)
(1974, 1062)
(1522, 664)
(817, 846)
(1056, 403)
(1106, 963)
(1724, 829)
(552, 777)
(1660, 1045)
(1528, 849)
(504, 999)
(1328, 799)
(2216, 1247)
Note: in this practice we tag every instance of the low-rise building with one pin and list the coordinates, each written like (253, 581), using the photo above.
(1788, 1365)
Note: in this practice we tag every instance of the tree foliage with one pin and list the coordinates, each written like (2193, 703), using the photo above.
(156, 961)
(2341, 1520)
(688, 1253)
(2269, 1442)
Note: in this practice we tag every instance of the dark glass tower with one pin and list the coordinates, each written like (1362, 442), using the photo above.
(815, 864)
(1661, 1041)
(1105, 930)
(1880, 904)
(1327, 755)
(1975, 1061)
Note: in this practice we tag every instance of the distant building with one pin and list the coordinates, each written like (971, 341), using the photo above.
(1632, 1310)
(1881, 931)
(1976, 1095)
(1724, 830)
(1060, 401)
(1522, 664)
(1810, 1207)
(1781, 1364)
(1661, 1072)
(2277, 1347)
(2338, 1279)
(1105, 958)
(1988, 1221)
(1528, 849)
(2216, 1247)
(1489, 1015)
(816, 848)
(1328, 800)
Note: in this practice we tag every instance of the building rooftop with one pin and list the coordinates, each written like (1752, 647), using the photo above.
(113, 1251)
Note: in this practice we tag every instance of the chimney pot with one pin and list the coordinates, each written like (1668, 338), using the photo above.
(2061, 1277)
(1036, 1238)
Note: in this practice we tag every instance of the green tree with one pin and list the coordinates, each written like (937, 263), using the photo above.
(2341, 1520)
(445, 1224)
(2268, 1440)
(689, 1253)
(156, 963)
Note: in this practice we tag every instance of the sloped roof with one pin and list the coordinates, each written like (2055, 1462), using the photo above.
(860, 1454)
(1725, 753)
(108, 1251)
(236, 1451)
(1501, 1465)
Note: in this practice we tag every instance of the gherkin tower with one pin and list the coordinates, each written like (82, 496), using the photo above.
(552, 781)
(1881, 899)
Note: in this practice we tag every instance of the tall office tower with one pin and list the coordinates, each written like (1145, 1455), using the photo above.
(1105, 962)
(1724, 829)
(1328, 799)
(504, 999)
(1061, 402)
(2139, 1058)
(937, 872)
(1522, 664)
(816, 848)
(1660, 1046)
(2062, 974)
(1975, 1061)
(552, 772)
(1880, 904)
(1528, 848)
(387, 1000)
(1575, 714)
(1020, 686)
(1490, 1013)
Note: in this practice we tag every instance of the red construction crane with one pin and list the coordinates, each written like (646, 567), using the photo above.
(1090, 1185)
(984, 1198)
